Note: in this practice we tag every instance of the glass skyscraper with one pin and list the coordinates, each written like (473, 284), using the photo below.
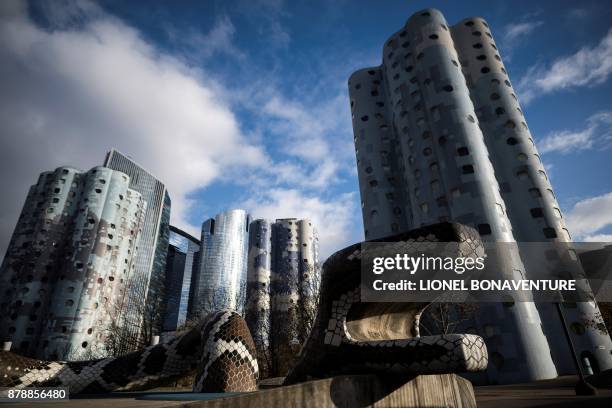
(183, 250)
(145, 304)
(220, 281)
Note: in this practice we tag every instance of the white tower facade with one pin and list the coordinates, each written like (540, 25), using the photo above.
(65, 276)
(439, 136)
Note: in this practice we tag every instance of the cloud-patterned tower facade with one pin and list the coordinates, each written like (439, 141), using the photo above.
(69, 262)
(220, 281)
(423, 158)
(259, 272)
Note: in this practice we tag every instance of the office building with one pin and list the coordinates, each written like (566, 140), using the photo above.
(220, 281)
(282, 288)
(65, 274)
(259, 272)
(440, 136)
(145, 303)
(183, 251)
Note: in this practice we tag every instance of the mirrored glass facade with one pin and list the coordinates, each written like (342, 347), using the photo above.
(221, 279)
(183, 250)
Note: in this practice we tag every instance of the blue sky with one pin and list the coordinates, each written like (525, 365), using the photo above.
(244, 103)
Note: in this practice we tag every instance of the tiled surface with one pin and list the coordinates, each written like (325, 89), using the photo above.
(331, 349)
(221, 346)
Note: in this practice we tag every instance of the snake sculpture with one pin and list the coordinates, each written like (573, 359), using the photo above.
(220, 349)
(354, 337)
(349, 337)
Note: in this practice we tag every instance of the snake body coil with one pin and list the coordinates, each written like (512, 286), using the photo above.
(220, 349)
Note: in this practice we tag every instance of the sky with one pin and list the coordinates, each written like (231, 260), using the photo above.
(244, 104)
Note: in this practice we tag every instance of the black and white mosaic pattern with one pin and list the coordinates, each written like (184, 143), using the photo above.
(221, 347)
(352, 337)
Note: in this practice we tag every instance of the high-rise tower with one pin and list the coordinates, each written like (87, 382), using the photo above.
(147, 283)
(282, 285)
(220, 282)
(183, 251)
(69, 262)
(531, 204)
(259, 273)
(439, 136)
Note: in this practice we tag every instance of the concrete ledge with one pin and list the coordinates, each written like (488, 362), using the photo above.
(447, 390)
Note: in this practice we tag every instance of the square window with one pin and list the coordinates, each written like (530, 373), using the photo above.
(549, 232)
(467, 169)
(484, 229)
(537, 212)
(535, 192)
(463, 151)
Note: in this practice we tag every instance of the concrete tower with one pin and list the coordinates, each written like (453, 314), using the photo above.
(422, 159)
(67, 268)
(283, 282)
(259, 272)
(221, 279)
(147, 283)
(525, 187)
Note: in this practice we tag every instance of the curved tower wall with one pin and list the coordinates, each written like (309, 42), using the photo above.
(107, 252)
(285, 294)
(525, 186)
(31, 265)
(221, 281)
(310, 276)
(308, 242)
(446, 172)
(383, 202)
(73, 294)
(257, 311)
(286, 264)
(283, 281)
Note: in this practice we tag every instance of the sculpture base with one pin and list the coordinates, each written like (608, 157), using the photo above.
(445, 390)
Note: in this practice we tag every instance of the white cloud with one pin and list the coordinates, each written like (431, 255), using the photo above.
(311, 135)
(92, 83)
(69, 95)
(335, 219)
(589, 66)
(578, 13)
(219, 40)
(598, 238)
(589, 216)
(597, 134)
(566, 141)
(267, 16)
(303, 133)
(518, 31)
(294, 173)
